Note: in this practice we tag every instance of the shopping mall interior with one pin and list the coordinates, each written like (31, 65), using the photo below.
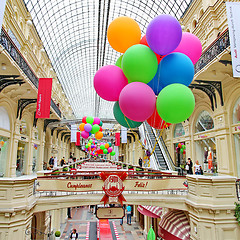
(119, 119)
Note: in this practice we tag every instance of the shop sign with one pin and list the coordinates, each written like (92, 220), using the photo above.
(110, 213)
(203, 136)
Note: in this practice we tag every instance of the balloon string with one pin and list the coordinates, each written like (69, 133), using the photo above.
(156, 138)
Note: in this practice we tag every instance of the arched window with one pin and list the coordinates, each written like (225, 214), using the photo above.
(179, 130)
(236, 112)
(4, 119)
(204, 122)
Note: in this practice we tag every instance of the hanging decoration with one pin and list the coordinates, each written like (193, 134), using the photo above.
(1, 144)
(181, 148)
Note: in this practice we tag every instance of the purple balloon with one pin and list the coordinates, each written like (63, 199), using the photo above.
(96, 121)
(164, 33)
(110, 149)
(88, 127)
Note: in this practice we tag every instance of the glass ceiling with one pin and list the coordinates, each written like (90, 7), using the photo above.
(74, 36)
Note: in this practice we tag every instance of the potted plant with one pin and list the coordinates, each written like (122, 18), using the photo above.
(130, 167)
(124, 165)
(57, 234)
(65, 169)
(55, 172)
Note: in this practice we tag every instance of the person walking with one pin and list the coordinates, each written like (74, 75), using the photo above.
(55, 163)
(129, 214)
(62, 161)
(140, 162)
(74, 234)
(189, 166)
(51, 161)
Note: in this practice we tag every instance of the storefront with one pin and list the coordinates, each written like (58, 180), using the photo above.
(205, 143)
(4, 139)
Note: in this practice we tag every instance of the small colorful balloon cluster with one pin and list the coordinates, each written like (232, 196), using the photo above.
(1, 144)
(91, 147)
(181, 148)
(106, 148)
(91, 125)
(161, 63)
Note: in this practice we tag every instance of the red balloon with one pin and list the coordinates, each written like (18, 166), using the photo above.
(100, 151)
(84, 119)
(144, 42)
(100, 130)
(156, 121)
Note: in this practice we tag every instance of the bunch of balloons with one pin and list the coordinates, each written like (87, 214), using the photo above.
(161, 63)
(91, 147)
(181, 147)
(91, 125)
(106, 148)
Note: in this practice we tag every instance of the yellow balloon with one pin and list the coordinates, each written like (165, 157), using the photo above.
(81, 126)
(123, 32)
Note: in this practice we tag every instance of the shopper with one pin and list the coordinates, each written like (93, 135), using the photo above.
(74, 234)
(197, 168)
(189, 166)
(51, 161)
(129, 214)
(140, 162)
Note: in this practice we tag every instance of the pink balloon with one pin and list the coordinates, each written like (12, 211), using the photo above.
(110, 149)
(137, 101)
(191, 46)
(96, 121)
(109, 82)
(84, 134)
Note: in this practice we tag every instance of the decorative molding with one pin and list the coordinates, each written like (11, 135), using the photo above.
(47, 121)
(7, 80)
(22, 103)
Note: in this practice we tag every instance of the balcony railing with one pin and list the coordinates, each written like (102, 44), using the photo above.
(16, 55)
(238, 189)
(218, 46)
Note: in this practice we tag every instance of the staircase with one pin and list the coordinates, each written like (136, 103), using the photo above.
(158, 152)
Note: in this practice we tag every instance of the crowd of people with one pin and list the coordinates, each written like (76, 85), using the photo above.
(53, 162)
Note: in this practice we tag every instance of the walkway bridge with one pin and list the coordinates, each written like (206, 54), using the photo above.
(85, 186)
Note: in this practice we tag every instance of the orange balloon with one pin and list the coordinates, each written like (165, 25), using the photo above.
(106, 145)
(123, 32)
(98, 135)
(81, 126)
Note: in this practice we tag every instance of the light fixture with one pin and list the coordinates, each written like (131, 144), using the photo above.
(28, 90)
(4, 66)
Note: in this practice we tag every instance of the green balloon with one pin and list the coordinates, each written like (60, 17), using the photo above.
(110, 144)
(181, 150)
(119, 61)
(123, 120)
(112, 153)
(139, 64)
(95, 128)
(90, 120)
(183, 147)
(105, 151)
(102, 147)
(86, 146)
(175, 103)
(151, 234)
(90, 141)
(101, 123)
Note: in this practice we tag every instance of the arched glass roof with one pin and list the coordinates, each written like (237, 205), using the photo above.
(74, 36)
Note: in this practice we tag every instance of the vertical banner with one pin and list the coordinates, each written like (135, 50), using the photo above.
(233, 15)
(44, 98)
(116, 150)
(73, 133)
(123, 134)
(2, 8)
(117, 139)
(78, 139)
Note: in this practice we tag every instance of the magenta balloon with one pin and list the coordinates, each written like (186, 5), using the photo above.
(110, 149)
(96, 121)
(88, 127)
(191, 46)
(84, 134)
(137, 101)
(164, 34)
(109, 82)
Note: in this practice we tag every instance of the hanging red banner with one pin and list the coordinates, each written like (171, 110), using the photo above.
(44, 98)
(113, 186)
(78, 139)
(117, 139)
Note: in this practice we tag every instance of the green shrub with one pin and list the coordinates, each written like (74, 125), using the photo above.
(237, 212)
(65, 169)
(139, 169)
(57, 234)
(130, 167)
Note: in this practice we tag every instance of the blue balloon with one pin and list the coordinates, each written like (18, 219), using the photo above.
(155, 82)
(176, 68)
(90, 134)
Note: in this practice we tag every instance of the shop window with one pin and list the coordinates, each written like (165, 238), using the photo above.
(21, 158)
(236, 112)
(4, 119)
(179, 130)
(35, 157)
(3, 155)
(204, 122)
(23, 127)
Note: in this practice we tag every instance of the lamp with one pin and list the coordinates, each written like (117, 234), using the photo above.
(4, 66)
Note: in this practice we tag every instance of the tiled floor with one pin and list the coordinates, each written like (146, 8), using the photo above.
(81, 217)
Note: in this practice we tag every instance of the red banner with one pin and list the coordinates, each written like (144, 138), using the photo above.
(44, 98)
(117, 139)
(78, 139)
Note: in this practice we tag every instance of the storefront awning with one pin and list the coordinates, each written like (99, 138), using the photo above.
(174, 225)
(151, 211)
